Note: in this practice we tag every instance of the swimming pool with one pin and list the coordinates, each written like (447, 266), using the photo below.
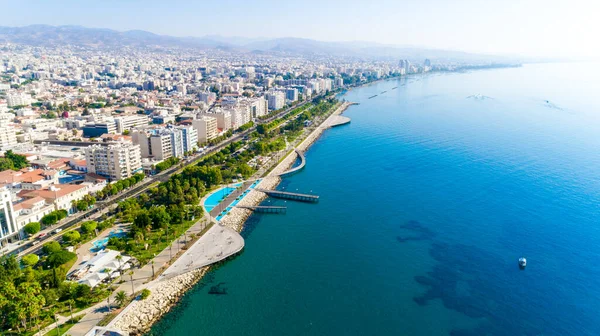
(215, 198)
(100, 244)
(237, 200)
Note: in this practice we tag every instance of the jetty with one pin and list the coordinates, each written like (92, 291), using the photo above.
(264, 208)
(290, 195)
(337, 120)
(298, 167)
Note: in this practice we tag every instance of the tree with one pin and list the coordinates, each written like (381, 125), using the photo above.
(120, 298)
(142, 221)
(160, 217)
(71, 237)
(49, 219)
(32, 228)
(60, 258)
(18, 161)
(51, 247)
(29, 260)
(89, 226)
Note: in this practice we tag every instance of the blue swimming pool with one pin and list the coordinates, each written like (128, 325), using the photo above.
(215, 198)
(237, 200)
(100, 244)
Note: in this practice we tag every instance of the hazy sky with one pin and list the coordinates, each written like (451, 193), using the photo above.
(525, 27)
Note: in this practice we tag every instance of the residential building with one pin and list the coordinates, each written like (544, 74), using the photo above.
(126, 123)
(9, 230)
(18, 99)
(206, 128)
(276, 100)
(291, 94)
(115, 161)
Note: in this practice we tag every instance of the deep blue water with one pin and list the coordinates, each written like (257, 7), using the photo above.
(428, 198)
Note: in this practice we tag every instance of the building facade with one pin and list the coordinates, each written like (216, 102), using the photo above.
(115, 161)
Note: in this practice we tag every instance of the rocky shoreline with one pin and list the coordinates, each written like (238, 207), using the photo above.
(139, 315)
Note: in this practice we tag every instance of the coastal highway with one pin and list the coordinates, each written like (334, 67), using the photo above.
(102, 207)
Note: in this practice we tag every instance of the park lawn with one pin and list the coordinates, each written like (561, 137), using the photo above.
(157, 241)
(63, 327)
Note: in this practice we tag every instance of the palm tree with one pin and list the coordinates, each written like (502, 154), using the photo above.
(119, 258)
(120, 298)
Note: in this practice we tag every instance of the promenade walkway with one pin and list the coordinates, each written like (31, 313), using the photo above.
(141, 277)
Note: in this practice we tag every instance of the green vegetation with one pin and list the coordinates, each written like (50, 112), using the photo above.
(13, 161)
(115, 188)
(32, 228)
(54, 217)
(29, 296)
(72, 237)
(85, 203)
(145, 294)
(29, 260)
(64, 327)
(121, 298)
(245, 126)
(51, 247)
(166, 164)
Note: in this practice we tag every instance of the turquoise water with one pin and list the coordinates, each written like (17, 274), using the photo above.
(100, 244)
(215, 198)
(428, 198)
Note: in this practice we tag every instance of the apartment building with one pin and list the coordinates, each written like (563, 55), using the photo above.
(127, 123)
(206, 128)
(115, 161)
(9, 230)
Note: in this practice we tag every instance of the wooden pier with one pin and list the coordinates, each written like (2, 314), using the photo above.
(264, 209)
(290, 195)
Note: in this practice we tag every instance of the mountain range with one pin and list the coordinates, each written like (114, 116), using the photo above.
(45, 35)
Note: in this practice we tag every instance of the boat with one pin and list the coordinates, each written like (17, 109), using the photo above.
(522, 263)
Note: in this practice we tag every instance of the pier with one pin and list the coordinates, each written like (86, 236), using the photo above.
(264, 209)
(290, 195)
(337, 120)
(297, 168)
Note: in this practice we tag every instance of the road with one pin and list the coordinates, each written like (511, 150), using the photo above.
(104, 206)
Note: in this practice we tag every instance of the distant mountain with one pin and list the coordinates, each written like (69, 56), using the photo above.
(45, 35)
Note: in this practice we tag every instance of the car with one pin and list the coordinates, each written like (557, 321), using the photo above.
(42, 235)
(35, 242)
(57, 230)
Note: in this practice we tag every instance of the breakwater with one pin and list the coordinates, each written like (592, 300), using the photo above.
(139, 316)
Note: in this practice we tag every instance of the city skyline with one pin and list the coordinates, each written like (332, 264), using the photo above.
(525, 28)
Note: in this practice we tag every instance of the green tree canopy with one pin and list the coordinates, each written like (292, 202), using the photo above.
(51, 247)
(32, 228)
(30, 260)
(71, 237)
(88, 226)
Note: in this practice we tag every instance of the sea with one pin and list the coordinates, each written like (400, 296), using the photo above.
(428, 198)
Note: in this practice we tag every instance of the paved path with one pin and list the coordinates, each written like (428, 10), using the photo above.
(141, 277)
(217, 244)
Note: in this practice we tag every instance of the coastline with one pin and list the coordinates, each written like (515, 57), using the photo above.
(139, 316)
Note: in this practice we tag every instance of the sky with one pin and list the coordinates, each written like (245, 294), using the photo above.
(547, 28)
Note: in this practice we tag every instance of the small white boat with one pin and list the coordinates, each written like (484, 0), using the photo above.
(522, 263)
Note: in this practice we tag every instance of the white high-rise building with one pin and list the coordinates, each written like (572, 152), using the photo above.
(8, 135)
(189, 138)
(115, 161)
(17, 99)
(206, 128)
(276, 100)
(9, 231)
(127, 123)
